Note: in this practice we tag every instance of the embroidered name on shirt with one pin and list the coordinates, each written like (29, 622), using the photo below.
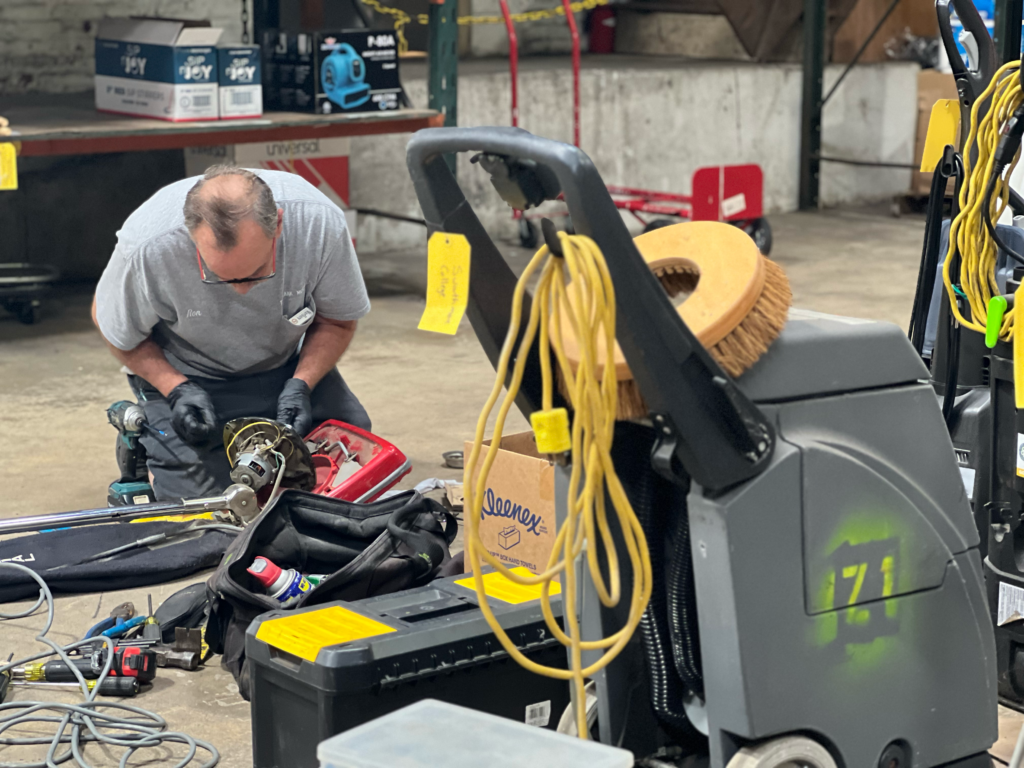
(193, 313)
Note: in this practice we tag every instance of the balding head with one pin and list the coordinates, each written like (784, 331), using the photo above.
(233, 220)
(226, 197)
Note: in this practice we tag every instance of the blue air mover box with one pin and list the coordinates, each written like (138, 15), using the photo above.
(357, 71)
(241, 89)
(162, 68)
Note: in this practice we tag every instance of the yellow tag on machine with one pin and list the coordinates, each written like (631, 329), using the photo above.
(943, 127)
(8, 166)
(447, 283)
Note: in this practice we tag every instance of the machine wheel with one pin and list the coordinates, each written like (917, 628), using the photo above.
(760, 232)
(784, 752)
(654, 224)
(529, 235)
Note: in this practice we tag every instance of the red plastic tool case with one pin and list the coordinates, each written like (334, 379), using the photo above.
(353, 464)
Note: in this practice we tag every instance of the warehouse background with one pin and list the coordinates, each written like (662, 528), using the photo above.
(647, 121)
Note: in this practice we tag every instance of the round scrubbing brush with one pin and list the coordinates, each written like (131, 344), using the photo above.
(736, 300)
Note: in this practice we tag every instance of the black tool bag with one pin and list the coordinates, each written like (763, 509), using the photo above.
(58, 557)
(364, 549)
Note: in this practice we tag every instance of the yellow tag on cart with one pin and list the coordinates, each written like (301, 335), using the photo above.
(447, 283)
(8, 166)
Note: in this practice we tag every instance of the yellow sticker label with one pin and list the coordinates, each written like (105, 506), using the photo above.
(8, 166)
(500, 588)
(304, 634)
(175, 518)
(447, 283)
(943, 127)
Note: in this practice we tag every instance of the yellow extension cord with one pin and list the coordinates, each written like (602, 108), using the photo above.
(967, 232)
(594, 394)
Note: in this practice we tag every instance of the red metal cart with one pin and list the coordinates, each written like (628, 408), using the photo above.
(731, 193)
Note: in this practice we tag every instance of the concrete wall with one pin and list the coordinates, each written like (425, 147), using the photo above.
(544, 36)
(47, 45)
(652, 123)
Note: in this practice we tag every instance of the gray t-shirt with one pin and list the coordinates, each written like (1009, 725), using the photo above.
(152, 287)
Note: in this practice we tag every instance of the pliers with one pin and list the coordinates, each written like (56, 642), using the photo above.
(117, 622)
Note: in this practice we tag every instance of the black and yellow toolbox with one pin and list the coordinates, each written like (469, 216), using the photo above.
(319, 671)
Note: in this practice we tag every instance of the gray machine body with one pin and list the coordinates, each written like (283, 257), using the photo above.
(842, 589)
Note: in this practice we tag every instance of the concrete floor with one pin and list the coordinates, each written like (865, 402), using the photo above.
(423, 392)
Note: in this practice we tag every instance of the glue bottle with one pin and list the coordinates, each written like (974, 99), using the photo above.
(282, 585)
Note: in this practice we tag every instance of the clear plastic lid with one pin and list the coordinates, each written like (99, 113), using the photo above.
(431, 733)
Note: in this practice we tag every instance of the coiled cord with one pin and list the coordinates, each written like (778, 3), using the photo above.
(984, 196)
(593, 392)
(89, 721)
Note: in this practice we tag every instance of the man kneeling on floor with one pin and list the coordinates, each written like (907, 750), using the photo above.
(231, 295)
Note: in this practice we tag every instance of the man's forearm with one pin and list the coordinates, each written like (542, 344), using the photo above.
(147, 361)
(325, 343)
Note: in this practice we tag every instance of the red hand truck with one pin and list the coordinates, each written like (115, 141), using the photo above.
(732, 193)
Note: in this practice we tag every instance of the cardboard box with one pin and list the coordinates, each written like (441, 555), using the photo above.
(517, 524)
(288, 71)
(932, 85)
(240, 83)
(159, 68)
(321, 162)
(331, 72)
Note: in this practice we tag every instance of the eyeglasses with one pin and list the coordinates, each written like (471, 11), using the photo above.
(212, 279)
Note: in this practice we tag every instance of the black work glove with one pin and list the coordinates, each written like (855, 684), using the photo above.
(294, 408)
(192, 414)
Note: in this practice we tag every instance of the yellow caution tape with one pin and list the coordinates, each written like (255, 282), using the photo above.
(402, 18)
(447, 283)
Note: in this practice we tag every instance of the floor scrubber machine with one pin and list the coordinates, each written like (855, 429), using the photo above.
(840, 609)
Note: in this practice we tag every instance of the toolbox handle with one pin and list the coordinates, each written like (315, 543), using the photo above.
(707, 427)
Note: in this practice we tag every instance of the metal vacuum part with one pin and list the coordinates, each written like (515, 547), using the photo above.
(239, 500)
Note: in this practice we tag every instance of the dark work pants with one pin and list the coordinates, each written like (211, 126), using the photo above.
(182, 471)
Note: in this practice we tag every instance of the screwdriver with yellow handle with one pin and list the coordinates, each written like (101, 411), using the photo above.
(151, 628)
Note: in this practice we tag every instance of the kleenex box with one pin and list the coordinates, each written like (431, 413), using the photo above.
(162, 68)
(241, 89)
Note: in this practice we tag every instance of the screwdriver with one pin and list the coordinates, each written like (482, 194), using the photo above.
(112, 686)
(151, 629)
(128, 662)
(5, 681)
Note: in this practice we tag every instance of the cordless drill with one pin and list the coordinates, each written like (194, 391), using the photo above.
(129, 419)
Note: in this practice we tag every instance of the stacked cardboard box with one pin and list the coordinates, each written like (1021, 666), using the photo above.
(173, 70)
